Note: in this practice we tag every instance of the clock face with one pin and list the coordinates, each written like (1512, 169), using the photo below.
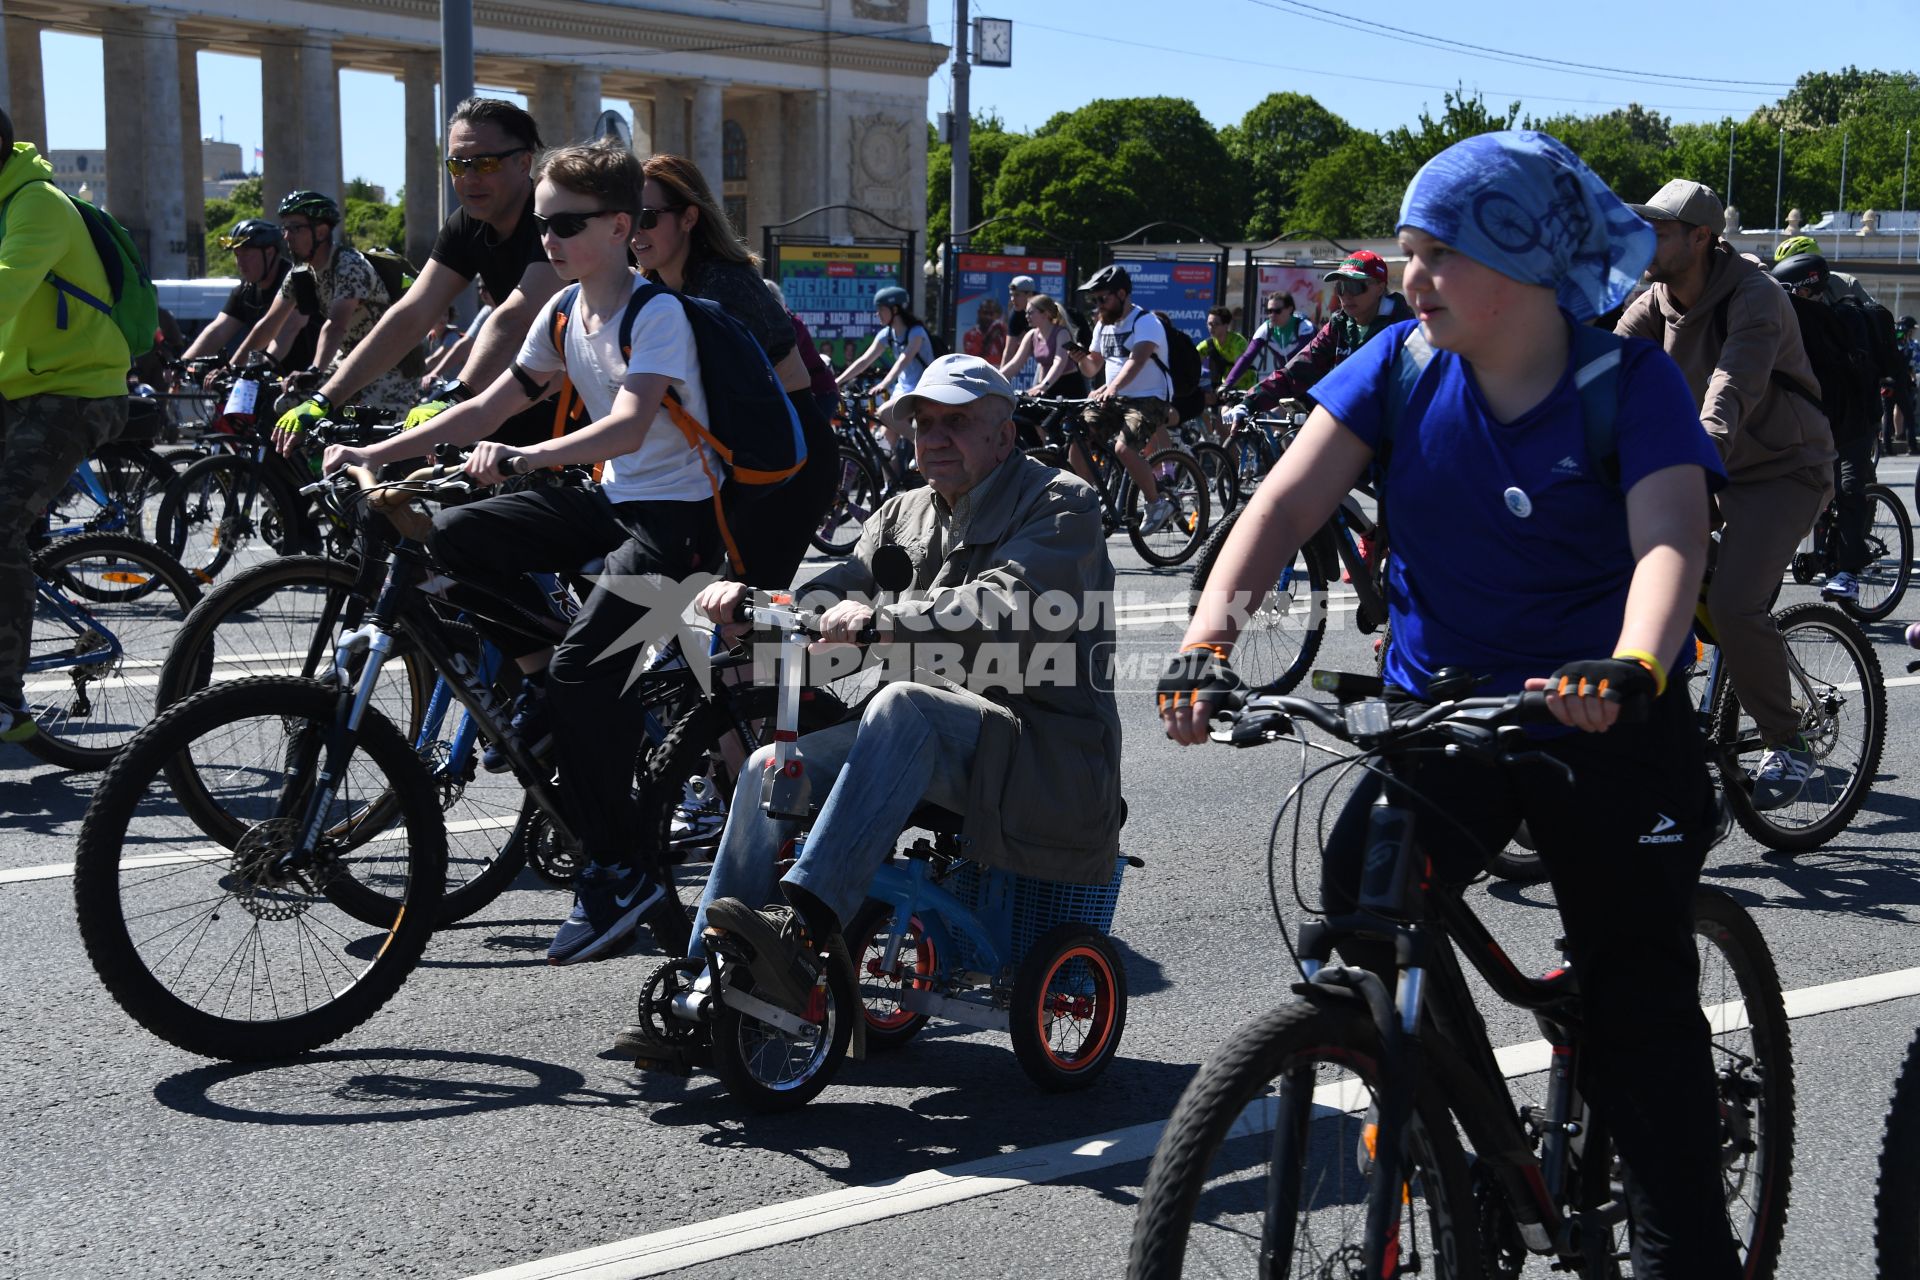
(994, 42)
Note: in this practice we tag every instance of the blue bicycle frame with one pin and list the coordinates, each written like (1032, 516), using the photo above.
(78, 620)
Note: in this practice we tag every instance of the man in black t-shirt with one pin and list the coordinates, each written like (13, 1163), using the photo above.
(491, 145)
(261, 253)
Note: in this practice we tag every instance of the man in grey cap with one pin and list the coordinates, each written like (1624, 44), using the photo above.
(1020, 291)
(1006, 720)
(1734, 334)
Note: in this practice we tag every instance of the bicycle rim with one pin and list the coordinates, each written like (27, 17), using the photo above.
(1277, 642)
(1180, 480)
(1883, 582)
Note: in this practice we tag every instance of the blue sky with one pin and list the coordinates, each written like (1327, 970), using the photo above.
(1226, 55)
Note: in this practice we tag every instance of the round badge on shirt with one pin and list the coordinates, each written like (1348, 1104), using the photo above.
(1519, 503)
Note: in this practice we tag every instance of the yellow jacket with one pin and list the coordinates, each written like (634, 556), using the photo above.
(41, 232)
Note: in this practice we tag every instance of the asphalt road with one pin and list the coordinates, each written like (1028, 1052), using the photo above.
(480, 1121)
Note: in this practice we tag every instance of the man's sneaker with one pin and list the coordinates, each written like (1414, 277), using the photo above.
(784, 967)
(1158, 512)
(530, 725)
(608, 904)
(701, 817)
(1841, 586)
(16, 723)
(1782, 775)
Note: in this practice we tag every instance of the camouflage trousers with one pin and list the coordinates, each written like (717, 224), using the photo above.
(42, 440)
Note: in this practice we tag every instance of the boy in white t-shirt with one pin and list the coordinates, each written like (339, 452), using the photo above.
(654, 514)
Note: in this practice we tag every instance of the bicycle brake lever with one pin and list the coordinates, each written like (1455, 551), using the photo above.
(1559, 766)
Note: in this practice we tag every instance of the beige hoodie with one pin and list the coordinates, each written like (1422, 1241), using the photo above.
(1762, 430)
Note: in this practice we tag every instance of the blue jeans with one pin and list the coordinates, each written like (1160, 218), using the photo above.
(913, 744)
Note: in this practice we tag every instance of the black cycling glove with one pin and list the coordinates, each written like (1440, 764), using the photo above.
(1611, 679)
(1199, 673)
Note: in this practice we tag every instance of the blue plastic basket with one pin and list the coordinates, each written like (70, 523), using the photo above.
(1039, 905)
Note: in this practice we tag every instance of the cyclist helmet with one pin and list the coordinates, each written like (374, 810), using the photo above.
(1111, 276)
(892, 296)
(316, 206)
(253, 233)
(1908, 322)
(1801, 268)
(1794, 244)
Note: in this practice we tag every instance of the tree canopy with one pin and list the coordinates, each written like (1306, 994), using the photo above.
(1291, 165)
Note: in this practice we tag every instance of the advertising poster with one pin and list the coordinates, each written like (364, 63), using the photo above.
(981, 277)
(1184, 290)
(831, 288)
(1312, 296)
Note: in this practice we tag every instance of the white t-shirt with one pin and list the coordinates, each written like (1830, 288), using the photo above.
(1113, 342)
(663, 467)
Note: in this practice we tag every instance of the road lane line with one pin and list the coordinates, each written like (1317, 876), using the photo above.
(738, 1233)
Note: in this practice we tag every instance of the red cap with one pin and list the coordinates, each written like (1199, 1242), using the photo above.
(1362, 264)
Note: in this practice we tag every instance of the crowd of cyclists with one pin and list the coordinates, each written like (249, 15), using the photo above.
(1556, 451)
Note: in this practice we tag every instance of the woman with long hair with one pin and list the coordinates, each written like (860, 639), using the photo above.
(1046, 341)
(682, 239)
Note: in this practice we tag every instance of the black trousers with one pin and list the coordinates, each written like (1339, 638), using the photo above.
(1902, 397)
(1852, 473)
(1624, 849)
(597, 725)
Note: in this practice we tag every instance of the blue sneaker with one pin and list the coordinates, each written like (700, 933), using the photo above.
(529, 723)
(608, 905)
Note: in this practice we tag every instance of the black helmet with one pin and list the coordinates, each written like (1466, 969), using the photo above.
(316, 206)
(1111, 276)
(1908, 322)
(253, 233)
(1800, 268)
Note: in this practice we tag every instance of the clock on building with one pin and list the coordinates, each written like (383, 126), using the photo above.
(993, 42)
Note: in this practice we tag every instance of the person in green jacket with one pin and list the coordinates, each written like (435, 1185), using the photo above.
(63, 385)
(1220, 352)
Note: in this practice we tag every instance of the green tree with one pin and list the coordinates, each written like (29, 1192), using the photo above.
(361, 189)
(987, 148)
(1354, 190)
(1059, 192)
(220, 217)
(1463, 116)
(1163, 150)
(369, 224)
(1627, 148)
(1272, 148)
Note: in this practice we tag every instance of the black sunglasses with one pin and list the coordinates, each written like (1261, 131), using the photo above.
(1351, 288)
(650, 218)
(566, 226)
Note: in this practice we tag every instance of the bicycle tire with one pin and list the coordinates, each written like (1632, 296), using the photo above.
(1261, 654)
(141, 619)
(1756, 1095)
(1174, 542)
(857, 498)
(129, 795)
(1896, 1204)
(235, 500)
(745, 1050)
(889, 1024)
(1827, 807)
(1221, 474)
(134, 477)
(1887, 575)
(1295, 1040)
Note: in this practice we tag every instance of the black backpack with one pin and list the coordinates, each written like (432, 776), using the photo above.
(1181, 364)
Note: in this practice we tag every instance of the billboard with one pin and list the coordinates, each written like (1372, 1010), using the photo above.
(1184, 290)
(1312, 296)
(831, 288)
(979, 276)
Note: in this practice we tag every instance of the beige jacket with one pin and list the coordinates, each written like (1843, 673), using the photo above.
(1762, 430)
(1045, 789)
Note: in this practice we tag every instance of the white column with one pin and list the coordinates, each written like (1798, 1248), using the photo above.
(193, 168)
(641, 109)
(123, 56)
(709, 111)
(283, 131)
(166, 211)
(670, 117)
(804, 167)
(584, 103)
(26, 85)
(419, 71)
(320, 116)
(766, 166)
(548, 103)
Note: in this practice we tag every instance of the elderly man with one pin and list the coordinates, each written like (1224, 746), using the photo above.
(1027, 752)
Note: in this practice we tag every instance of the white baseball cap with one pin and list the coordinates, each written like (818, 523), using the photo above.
(954, 379)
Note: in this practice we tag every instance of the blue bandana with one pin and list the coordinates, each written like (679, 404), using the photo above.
(1523, 204)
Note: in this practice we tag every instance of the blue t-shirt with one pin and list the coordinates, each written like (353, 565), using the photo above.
(1471, 583)
(909, 376)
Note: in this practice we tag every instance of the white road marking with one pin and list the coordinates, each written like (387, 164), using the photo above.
(809, 1216)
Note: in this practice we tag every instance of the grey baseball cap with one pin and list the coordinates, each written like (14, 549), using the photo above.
(1022, 282)
(954, 379)
(1683, 200)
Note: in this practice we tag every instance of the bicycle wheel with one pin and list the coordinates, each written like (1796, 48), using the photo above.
(1841, 698)
(133, 478)
(1889, 557)
(1753, 1069)
(1179, 478)
(1223, 480)
(221, 508)
(1270, 1146)
(1253, 457)
(766, 1069)
(1896, 1207)
(214, 949)
(890, 1025)
(857, 498)
(1279, 641)
(106, 607)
